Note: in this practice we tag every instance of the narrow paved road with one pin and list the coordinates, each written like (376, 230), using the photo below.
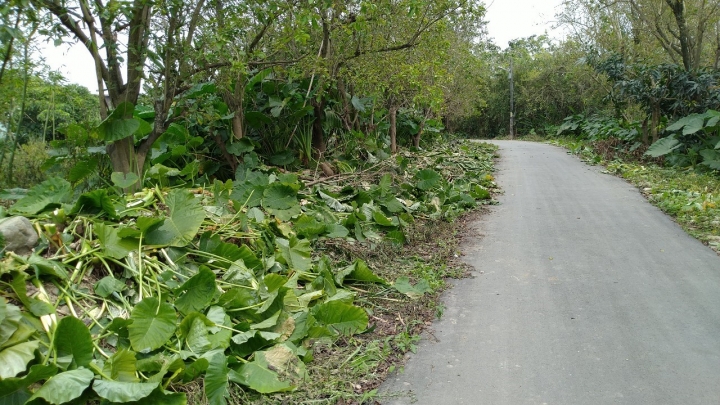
(583, 294)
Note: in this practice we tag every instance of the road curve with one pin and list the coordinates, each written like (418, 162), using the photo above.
(583, 293)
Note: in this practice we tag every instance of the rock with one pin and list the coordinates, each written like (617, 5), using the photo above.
(19, 234)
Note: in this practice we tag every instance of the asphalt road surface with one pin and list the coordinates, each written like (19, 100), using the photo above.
(583, 293)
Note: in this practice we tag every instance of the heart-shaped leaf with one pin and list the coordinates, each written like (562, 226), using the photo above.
(197, 292)
(258, 376)
(124, 180)
(74, 342)
(342, 318)
(427, 179)
(14, 359)
(64, 387)
(180, 228)
(153, 324)
(279, 197)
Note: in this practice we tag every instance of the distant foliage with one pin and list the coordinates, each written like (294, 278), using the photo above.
(29, 159)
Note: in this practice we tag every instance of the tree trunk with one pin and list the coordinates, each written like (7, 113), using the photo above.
(230, 159)
(421, 129)
(318, 138)
(238, 124)
(716, 65)
(678, 9)
(393, 129)
(122, 156)
(645, 132)
(416, 139)
(235, 101)
(9, 50)
(655, 122)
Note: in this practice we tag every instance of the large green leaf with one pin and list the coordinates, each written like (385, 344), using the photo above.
(108, 285)
(402, 284)
(120, 391)
(183, 223)
(153, 324)
(713, 164)
(193, 370)
(49, 267)
(249, 192)
(124, 180)
(663, 146)
(216, 378)
(228, 251)
(295, 253)
(690, 124)
(15, 390)
(119, 124)
(219, 337)
(258, 376)
(197, 292)
(381, 219)
(95, 202)
(279, 197)
(64, 387)
(160, 397)
(73, 343)
(121, 366)
(36, 306)
(427, 179)
(241, 147)
(696, 124)
(194, 329)
(340, 317)
(337, 231)
(85, 167)
(309, 227)
(10, 326)
(334, 203)
(116, 129)
(49, 194)
(358, 271)
(14, 359)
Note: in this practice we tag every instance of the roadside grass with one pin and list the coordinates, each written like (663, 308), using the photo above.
(690, 197)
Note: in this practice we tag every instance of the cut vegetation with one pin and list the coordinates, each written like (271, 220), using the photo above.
(272, 287)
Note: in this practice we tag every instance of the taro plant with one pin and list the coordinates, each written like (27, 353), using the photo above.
(130, 296)
(694, 139)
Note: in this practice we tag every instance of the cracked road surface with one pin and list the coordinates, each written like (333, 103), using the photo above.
(583, 293)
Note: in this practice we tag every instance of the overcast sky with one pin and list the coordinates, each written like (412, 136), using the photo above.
(512, 19)
(507, 20)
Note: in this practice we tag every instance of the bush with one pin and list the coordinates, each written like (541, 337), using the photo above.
(26, 166)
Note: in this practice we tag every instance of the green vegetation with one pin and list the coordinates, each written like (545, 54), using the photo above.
(257, 205)
(251, 205)
(131, 297)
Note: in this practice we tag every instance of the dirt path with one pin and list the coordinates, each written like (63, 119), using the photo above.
(583, 294)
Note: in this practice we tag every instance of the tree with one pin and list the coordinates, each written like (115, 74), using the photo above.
(131, 33)
(686, 30)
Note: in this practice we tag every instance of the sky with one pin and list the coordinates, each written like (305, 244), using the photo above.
(507, 20)
(513, 19)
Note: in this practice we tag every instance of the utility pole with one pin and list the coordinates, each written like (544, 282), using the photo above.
(512, 100)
